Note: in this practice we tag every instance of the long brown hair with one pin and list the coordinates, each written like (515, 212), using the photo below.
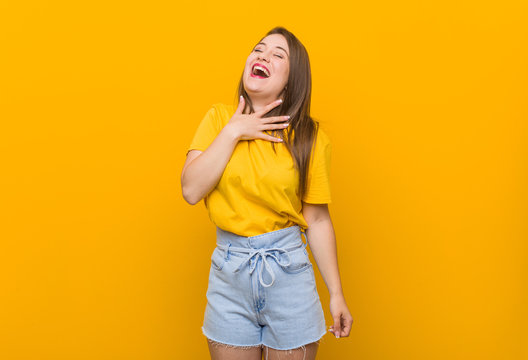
(302, 132)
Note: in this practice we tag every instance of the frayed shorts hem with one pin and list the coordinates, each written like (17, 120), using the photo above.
(262, 344)
(298, 346)
(226, 343)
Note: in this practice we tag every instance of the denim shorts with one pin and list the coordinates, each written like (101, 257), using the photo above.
(262, 291)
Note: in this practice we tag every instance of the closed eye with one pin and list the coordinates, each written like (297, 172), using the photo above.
(277, 55)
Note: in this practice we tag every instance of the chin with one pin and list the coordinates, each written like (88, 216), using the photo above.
(260, 90)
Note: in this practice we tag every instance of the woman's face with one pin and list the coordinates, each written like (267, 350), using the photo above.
(267, 68)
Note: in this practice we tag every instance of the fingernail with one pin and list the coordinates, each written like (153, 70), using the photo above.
(241, 97)
(288, 117)
(287, 124)
(280, 100)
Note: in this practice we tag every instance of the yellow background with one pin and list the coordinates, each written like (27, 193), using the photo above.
(426, 107)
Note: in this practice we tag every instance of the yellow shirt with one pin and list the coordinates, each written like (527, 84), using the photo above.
(258, 191)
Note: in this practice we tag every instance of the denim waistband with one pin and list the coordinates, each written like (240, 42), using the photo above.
(261, 247)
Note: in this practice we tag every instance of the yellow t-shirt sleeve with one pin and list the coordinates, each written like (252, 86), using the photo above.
(207, 130)
(318, 187)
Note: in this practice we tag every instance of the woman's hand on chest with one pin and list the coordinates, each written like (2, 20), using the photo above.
(252, 126)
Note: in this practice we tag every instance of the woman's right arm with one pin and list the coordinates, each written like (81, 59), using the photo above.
(202, 170)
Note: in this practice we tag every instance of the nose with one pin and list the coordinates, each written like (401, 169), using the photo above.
(264, 56)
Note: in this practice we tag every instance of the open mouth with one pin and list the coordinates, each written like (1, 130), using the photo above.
(260, 71)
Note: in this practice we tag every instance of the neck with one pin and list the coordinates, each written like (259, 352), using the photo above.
(260, 103)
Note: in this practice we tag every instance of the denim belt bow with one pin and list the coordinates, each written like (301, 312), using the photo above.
(260, 254)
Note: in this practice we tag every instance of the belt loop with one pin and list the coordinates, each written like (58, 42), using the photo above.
(227, 251)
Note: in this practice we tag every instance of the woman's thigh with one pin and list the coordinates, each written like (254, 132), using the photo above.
(306, 352)
(220, 351)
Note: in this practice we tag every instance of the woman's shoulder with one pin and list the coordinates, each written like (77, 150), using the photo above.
(223, 108)
(223, 111)
(322, 135)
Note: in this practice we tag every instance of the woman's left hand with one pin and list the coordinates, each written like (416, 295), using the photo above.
(342, 317)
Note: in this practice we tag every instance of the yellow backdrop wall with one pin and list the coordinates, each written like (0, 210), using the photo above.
(425, 104)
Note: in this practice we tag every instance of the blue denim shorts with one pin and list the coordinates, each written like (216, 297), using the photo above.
(262, 291)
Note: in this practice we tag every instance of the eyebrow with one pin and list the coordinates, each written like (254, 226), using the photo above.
(263, 43)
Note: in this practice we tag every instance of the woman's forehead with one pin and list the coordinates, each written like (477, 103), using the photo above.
(275, 40)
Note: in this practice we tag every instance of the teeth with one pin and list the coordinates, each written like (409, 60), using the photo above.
(262, 69)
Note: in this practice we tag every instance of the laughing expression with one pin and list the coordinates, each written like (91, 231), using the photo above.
(267, 68)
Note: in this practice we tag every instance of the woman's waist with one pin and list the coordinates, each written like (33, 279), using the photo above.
(288, 237)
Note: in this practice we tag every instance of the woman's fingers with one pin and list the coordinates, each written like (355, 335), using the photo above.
(274, 119)
(345, 330)
(342, 325)
(348, 320)
(270, 138)
(268, 107)
(247, 128)
(337, 325)
(240, 107)
(275, 126)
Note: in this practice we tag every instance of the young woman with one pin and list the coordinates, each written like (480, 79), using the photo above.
(262, 191)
